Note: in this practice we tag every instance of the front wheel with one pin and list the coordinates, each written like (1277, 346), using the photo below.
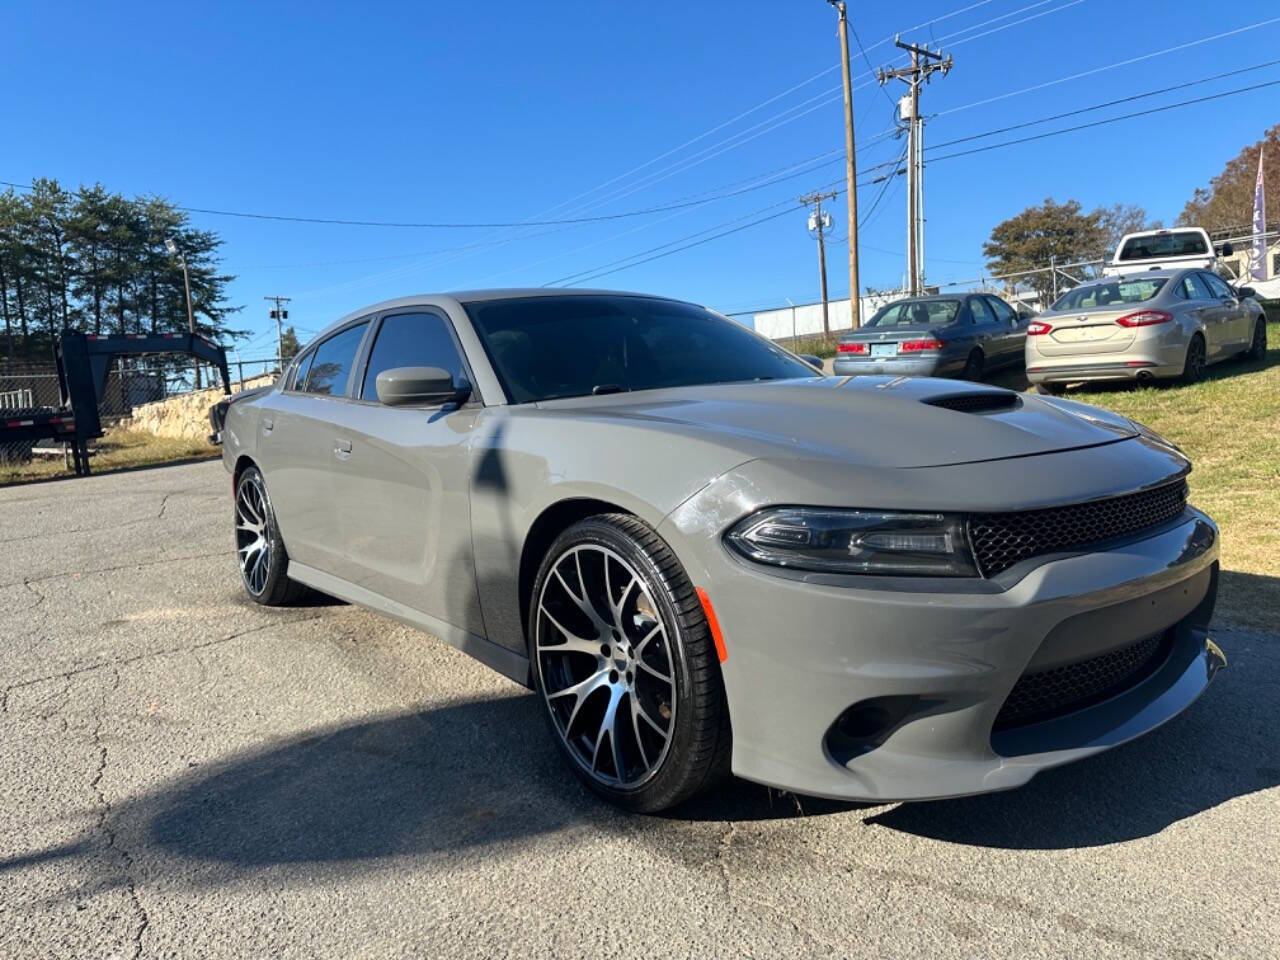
(625, 665)
(259, 548)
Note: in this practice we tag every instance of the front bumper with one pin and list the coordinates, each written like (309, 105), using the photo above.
(945, 656)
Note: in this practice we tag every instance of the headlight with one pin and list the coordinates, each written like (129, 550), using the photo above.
(856, 541)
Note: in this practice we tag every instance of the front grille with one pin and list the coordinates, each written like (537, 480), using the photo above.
(977, 402)
(1058, 690)
(1001, 540)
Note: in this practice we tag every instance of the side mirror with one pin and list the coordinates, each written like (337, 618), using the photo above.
(1227, 249)
(810, 359)
(1246, 291)
(418, 386)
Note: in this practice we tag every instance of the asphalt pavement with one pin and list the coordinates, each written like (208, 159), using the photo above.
(184, 774)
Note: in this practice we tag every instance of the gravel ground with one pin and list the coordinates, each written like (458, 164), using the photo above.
(183, 774)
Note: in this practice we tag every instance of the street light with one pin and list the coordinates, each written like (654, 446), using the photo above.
(172, 247)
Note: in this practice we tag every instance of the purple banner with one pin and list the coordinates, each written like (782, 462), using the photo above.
(1259, 257)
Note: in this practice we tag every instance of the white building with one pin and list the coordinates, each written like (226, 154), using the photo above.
(805, 319)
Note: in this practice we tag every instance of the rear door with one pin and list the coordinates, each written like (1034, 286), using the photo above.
(400, 480)
(1012, 332)
(988, 331)
(297, 447)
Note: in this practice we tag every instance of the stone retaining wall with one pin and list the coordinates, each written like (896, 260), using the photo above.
(185, 416)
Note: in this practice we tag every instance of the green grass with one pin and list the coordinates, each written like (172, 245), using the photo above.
(1229, 425)
(118, 450)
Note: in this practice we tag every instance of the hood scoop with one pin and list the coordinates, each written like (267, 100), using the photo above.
(979, 402)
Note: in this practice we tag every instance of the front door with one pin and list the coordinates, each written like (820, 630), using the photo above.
(1235, 315)
(401, 485)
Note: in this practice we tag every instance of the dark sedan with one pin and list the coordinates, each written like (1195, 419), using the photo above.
(963, 335)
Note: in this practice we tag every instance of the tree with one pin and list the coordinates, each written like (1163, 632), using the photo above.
(1227, 203)
(1120, 219)
(98, 261)
(289, 345)
(1039, 235)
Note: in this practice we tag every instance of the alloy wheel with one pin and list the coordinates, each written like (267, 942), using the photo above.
(606, 666)
(253, 540)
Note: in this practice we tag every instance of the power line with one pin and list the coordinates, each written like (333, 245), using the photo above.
(1105, 121)
(1110, 66)
(621, 264)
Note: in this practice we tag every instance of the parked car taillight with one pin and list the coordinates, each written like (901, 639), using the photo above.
(1038, 328)
(852, 348)
(1144, 318)
(912, 346)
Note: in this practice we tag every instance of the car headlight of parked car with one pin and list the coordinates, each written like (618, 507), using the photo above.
(856, 541)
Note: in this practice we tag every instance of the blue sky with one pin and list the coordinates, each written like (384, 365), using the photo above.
(470, 112)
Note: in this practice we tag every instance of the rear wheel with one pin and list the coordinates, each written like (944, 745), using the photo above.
(1193, 367)
(259, 549)
(973, 366)
(1258, 346)
(625, 665)
(1051, 389)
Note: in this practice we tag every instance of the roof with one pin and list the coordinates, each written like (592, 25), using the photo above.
(477, 296)
(1150, 273)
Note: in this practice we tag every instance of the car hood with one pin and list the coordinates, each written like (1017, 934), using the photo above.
(869, 421)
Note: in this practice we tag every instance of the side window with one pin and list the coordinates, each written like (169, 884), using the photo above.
(332, 361)
(979, 311)
(411, 340)
(1004, 312)
(1217, 288)
(1193, 288)
(298, 375)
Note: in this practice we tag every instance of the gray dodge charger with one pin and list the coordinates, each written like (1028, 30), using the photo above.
(704, 556)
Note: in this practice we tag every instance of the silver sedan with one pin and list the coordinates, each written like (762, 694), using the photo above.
(703, 555)
(1143, 326)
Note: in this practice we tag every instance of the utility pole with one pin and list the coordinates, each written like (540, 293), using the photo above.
(850, 167)
(279, 315)
(924, 64)
(173, 250)
(820, 222)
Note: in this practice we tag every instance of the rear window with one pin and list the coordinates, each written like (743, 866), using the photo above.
(917, 313)
(1185, 244)
(1117, 293)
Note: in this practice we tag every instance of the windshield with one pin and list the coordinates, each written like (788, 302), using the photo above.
(1182, 244)
(573, 346)
(1114, 293)
(917, 313)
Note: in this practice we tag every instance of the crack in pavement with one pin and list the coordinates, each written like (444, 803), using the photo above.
(164, 652)
(30, 588)
(124, 566)
(96, 528)
(104, 813)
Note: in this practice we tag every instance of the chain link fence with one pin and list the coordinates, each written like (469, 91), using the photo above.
(34, 389)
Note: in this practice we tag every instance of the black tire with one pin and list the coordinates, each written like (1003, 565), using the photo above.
(1051, 389)
(1258, 346)
(1193, 366)
(263, 571)
(973, 365)
(588, 562)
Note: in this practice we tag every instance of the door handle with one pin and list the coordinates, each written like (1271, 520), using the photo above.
(342, 449)
(267, 424)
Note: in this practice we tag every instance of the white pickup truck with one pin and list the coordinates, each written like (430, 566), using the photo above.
(1179, 247)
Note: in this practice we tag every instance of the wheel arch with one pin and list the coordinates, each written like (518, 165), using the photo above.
(549, 524)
